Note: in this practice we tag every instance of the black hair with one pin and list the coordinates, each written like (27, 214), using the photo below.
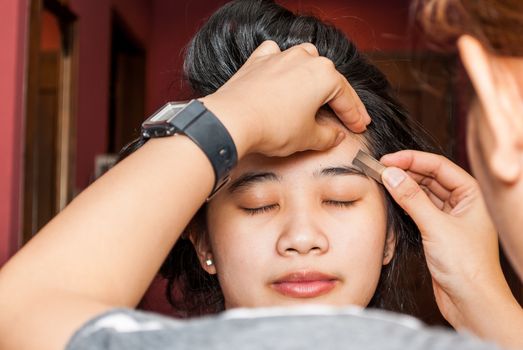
(213, 56)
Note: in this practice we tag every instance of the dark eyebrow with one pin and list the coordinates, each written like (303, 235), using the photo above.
(250, 178)
(340, 170)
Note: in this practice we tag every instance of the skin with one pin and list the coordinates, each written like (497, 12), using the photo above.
(334, 223)
(495, 139)
(460, 244)
(459, 217)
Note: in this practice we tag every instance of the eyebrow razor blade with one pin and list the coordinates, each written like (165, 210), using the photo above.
(369, 165)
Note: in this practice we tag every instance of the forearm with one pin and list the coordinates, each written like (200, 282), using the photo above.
(506, 329)
(106, 246)
(494, 315)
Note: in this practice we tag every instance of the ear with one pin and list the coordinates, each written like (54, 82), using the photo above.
(390, 247)
(202, 247)
(499, 120)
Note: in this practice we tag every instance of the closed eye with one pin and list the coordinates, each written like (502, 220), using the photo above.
(339, 204)
(260, 210)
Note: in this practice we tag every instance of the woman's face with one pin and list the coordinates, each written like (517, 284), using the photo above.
(308, 228)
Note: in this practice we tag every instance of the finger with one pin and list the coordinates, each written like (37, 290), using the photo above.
(348, 106)
(446, 173)
(431, 184)
(343, 99)
(266, 48)
(409, 195)
(309, 47)
(433, 198)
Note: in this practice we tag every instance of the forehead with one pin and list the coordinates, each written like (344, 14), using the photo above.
(304, 162)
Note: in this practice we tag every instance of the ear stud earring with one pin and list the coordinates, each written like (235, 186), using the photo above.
(209, 262)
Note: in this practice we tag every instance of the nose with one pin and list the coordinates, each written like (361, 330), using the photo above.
(302, 235)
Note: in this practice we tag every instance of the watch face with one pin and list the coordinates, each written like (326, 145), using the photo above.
(166, 112)
(159, 124)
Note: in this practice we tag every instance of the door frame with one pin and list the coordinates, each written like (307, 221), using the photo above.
(66, 118)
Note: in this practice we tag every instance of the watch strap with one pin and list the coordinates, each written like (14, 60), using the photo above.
(207, 131)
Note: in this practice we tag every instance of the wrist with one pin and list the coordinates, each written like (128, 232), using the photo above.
(235, 121)
(197, 122)
(499, 318)
(485, 304)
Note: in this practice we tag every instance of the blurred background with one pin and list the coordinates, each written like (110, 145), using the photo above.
(77, 77)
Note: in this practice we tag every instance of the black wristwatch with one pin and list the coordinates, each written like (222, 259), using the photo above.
(203, 128)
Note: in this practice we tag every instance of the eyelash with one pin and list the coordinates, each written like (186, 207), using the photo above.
(340, 204)
(261, 210)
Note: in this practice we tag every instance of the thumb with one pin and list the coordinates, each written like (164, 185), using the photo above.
(409, 195)
(268, 47)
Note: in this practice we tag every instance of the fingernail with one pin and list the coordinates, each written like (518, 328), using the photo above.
(393, 176)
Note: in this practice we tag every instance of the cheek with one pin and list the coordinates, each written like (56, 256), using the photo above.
(242, 255)
(358, 245)
(365, 222)
(232, 234)
(362, 233)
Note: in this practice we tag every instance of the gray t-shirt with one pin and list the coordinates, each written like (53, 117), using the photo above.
(310, 327)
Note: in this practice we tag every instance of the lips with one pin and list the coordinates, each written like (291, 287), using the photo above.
(305, 284)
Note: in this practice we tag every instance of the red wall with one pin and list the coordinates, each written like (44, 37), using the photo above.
(373, 25)
(12, 57)
(94, 36)
(174, 24)
(93, 31)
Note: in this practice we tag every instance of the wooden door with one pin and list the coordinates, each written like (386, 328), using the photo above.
(49, 122)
